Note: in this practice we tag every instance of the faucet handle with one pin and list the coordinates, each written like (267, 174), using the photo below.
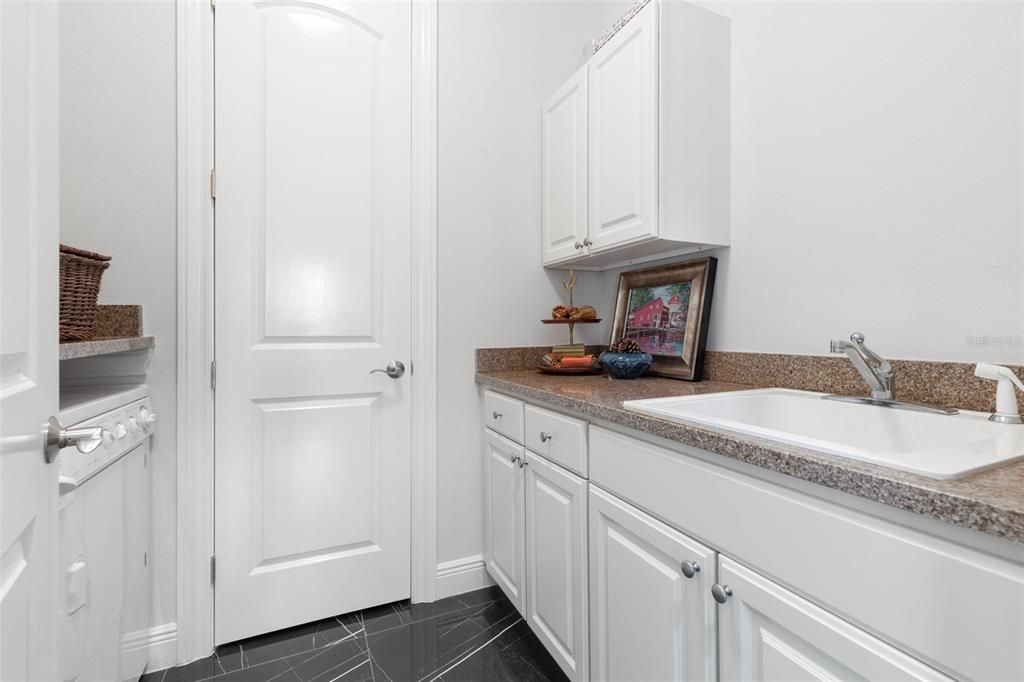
(857, 338)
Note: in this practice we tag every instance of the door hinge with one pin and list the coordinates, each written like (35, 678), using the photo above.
(213, 183)
(213, 375)
(213, 569)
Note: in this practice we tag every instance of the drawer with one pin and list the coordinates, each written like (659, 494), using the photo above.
(914, 590)
(559, 438)
(504, 415)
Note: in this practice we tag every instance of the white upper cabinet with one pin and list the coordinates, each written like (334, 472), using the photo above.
(656, 159)
(624, 135)
(564, 221)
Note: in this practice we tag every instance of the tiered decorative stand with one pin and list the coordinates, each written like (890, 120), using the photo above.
(571, 323)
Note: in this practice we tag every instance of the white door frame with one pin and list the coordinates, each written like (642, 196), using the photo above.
(195, 478)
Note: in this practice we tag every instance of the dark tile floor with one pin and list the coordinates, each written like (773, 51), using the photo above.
(477, 636)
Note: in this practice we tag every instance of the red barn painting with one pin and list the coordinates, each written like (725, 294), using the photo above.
(656, 318)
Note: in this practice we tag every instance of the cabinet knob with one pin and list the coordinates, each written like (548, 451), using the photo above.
(577, 246)
(523, 463)
(496, 414)
(586, 241)
(514, 458)
(545, 437)
(690, 568)
(721, 593)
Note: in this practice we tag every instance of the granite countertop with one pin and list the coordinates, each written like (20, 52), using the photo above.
(991, 501)
(84, 349)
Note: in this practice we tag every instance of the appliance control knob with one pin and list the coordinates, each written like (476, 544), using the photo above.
(133, 424)
(148, 418)
(107, 436)
(120, 431)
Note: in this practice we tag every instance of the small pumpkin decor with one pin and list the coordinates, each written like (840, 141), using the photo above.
(625, 359)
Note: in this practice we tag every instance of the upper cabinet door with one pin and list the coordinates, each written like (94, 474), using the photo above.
(768, 633)
(565, 171)
(651, 617)
(623, 133)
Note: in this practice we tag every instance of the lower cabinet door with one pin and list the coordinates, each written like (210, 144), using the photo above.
(651, 615)
(767, 633)
(504, 541)
(556, 563)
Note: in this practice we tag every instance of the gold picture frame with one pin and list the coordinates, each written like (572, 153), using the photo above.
(666, 311)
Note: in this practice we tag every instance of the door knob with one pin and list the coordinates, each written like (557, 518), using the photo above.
(57, 437)
(395, 369)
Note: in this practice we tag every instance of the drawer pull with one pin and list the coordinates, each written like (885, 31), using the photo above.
(545, 437)
(496, 414)
(721, 593)
(690, 568)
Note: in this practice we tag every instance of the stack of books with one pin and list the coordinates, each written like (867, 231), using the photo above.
(569, 350)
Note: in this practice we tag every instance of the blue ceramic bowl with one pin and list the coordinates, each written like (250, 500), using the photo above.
(626, 365)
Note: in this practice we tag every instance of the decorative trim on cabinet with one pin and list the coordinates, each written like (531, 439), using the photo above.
(619, 24)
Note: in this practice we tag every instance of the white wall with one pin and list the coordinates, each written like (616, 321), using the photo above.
(878, 180)
(118, 197)
(497, 63)
(878, 186)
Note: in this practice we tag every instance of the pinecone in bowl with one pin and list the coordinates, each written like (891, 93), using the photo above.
(625, 345)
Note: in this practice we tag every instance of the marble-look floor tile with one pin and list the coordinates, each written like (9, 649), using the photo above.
(516, 655)
(475, 636)
(426, 647)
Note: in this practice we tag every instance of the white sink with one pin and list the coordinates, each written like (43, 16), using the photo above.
(933, 445)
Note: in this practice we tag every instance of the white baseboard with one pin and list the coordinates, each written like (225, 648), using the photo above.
(162, 642)
(462, 575)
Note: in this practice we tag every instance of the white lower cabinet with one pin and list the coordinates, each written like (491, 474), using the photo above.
(504, 524)
(615, 593)
(651, 617)
(556, 563)
(768, 633)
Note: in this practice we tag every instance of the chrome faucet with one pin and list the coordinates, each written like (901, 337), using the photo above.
(878, 374)
(876, 370)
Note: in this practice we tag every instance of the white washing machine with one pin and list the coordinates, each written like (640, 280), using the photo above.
(104, 533)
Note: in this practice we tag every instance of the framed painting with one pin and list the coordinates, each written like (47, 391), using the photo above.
(666, 310)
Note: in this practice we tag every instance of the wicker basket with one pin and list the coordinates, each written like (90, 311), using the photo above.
(80, 275)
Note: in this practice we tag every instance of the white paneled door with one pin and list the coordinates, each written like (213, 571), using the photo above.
(564, 218)
(623, 132)
(556, 562)
(28, 339)
(769, 634)
(650, 613)
(312, 293)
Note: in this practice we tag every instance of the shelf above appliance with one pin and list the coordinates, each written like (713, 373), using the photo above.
(74, 350)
